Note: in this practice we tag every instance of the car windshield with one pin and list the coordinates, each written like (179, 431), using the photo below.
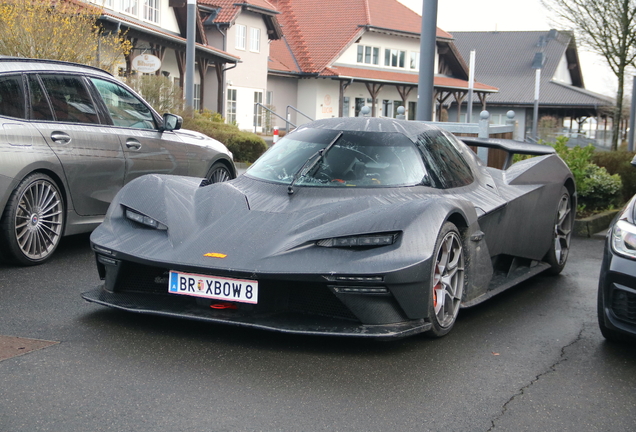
(364, 159)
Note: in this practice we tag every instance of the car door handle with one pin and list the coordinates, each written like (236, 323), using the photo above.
(133, 144)
(60, 137)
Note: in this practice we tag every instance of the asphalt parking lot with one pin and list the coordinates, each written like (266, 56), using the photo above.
(531, 359)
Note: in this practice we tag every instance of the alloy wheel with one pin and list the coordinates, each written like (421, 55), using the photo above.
(563, 229)
(448, 279)
(38, 219)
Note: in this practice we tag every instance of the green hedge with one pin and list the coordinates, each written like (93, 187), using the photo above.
(619, 162)
(245, 146)
(597, 188)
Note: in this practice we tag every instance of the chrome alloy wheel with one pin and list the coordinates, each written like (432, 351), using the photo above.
(448, 279)
(38, 219)
(563, 229)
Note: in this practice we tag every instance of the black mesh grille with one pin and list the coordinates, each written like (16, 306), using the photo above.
(274, 296)
(624, 305)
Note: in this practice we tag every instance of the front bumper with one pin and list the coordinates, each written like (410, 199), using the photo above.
(318, 304)
(617, 292)
(285, 322)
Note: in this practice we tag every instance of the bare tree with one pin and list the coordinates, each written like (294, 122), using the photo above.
(607, 27)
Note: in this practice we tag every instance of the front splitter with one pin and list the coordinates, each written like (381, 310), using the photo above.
(293, 323)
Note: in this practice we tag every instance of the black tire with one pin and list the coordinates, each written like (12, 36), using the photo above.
(609, 334)
(218, 172)
(446, 287)
(33, 221)
(557, 256)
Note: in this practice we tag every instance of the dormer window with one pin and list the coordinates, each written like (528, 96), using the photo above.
(394, 58)
(368, 55)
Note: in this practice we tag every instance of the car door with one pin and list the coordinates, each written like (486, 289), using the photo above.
(147, 149)
(62, 109)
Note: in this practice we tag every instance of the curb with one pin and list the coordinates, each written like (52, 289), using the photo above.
(589, 226)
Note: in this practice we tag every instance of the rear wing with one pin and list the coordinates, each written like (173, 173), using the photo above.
(511, 147)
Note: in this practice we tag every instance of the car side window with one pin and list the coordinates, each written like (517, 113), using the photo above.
(12, 97)
(70, 99)
(125, 108)
(445, 161)
(40, 108)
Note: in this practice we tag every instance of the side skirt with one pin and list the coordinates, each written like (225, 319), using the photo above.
(519, 271)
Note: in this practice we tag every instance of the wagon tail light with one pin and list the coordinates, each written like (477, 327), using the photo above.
(360, 241)
(143, 219)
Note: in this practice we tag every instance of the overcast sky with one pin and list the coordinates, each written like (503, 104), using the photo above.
(506, 15)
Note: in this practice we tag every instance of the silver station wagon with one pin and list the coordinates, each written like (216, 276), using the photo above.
(71, 137)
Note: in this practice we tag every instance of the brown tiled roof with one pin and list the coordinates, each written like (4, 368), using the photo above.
(229, 9)
(318, 32)
(280, 57)
(401, 77)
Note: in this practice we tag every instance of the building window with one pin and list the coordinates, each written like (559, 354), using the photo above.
(241, 35)
(415, 61)
(151, 10)
(129, 7)
(258, 111)
(345, 107)
(368, 55)
(394, 58)
(231, 106)
(412, 110)
(255, 39)
(197, 97)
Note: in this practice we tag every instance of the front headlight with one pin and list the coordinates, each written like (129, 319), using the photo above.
(624, 239)
(144, 220)
(366, 240)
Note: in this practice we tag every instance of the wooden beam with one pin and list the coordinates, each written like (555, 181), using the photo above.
(374, 90)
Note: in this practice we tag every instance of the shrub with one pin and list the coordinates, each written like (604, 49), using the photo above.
(245, 146)
(597, 189)
(619, 162)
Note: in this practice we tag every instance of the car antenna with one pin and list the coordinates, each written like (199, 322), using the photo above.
(302, 171)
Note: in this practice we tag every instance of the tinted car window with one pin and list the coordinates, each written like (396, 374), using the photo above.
(444, 161)
(12, 96)
(363, 159)
(125, 109)
(70, 99)
(40, 107)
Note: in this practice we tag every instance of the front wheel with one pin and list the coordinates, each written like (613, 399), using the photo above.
(563, 223)
(33, 220)
(218, 173)
(447, 284)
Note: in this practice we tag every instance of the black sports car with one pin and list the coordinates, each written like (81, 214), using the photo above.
(357, 226)
(617, 282)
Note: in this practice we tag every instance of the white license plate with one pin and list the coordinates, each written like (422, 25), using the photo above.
(213, 287)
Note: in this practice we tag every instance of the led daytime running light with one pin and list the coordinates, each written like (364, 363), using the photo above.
(143, 219)
(370, 240)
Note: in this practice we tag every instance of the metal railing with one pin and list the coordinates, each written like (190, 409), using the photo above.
(288, 114)
(258, 104)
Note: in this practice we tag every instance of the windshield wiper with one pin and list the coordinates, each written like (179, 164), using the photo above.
(311, 163)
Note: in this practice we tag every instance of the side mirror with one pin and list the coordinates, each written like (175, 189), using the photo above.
(171, 122)
(634, 162)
